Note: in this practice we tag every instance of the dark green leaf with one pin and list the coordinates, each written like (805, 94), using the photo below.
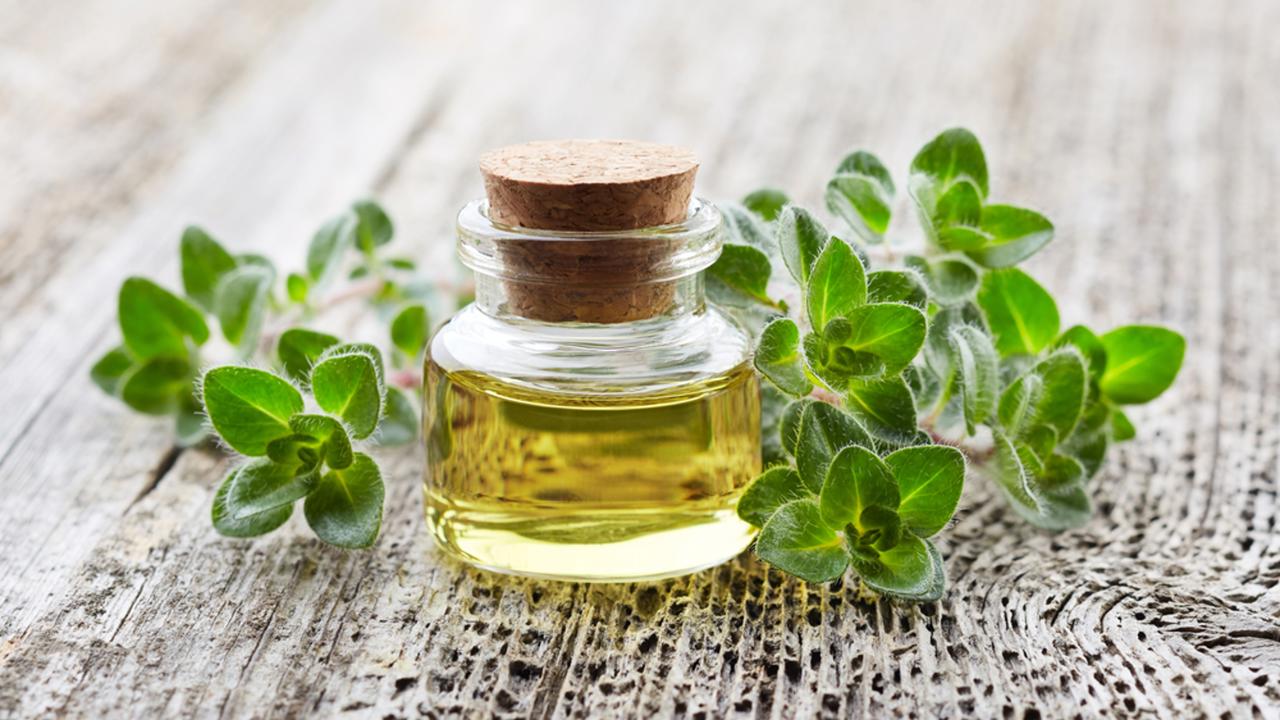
(856, 480)
(1022, 316)
(789, 427)
(885, 406)
(156, 385)
(1090, 450)
(409, 330)
(263, 485)
(1015, 235)
(248, 407)
(347, 385)
(204, 262)
(299, 349)
(345, 508)
(937, 348)
(110, 369)
(296, 286)
(400, 424)
(241, 303)
(329, 434)
(1061, 399)
(930, 479)
(1048, 501)
(975, 359)
(1142, 362)
(775, 488)
(824, 431)
(262, 523)
(897, 286)
(773, 404)
(766, 202)
(890, 331)
(911, 570)
(156, 322)
(1089, 346)
(796, 541)
(373, 227)
(778, 357)
(837, 284)
(328, 246)
(801, 239)
(740, 276)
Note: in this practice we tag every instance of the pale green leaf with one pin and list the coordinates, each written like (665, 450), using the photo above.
(837, 284)
(1142, 362)
(1022, 316)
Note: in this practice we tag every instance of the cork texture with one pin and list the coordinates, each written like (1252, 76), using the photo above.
(589, 185)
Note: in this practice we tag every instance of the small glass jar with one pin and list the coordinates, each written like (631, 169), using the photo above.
(590, 417)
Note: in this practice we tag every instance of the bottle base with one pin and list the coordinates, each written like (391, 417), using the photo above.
(604, 547)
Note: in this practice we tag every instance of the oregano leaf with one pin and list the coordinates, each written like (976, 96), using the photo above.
(910, 570)
(776, 487)
(778, 358)
(110, 369)
(263, 485)
(155, 386)
(953, 155)
(347, 386)
(930, 479)
(249, 407)
(896, 286)
(409, 329)
(329, 433)
(1022, 316)
(1061, 399)
(204, 262)
(789, 426)
(824, 431)
(296, 286)
(373, 226)
(892, 332)
(884, 406)
(979, 374)
(1142, 362)
(189, 422)
(1015, 234)
(949, 280)
(300, 348)
(328, 246)
(1089, 345)
(241, 301)
(766, 202)
(1121, 428)
(400, 420)
(860, 194)
(744, 228)
(801, 239)
(796, 541)
(345, 507)
(856, 479)
(156, 322)
(740, 276)
(228, 525)
(837, 284)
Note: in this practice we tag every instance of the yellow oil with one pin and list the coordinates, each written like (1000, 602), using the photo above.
(594, 488)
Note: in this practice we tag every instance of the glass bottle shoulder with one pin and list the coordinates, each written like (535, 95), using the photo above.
(647, 357)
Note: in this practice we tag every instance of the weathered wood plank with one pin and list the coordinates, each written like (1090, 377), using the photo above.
(1138, 131)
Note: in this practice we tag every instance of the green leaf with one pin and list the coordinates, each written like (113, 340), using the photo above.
(768, 492)
(328, 246)
(766, 202)
(189, 424)
(885, 406)
(400, 423)
(1022, 316)
(296, 285)
(345, 508)
(156, 385)
(739, 276)
(861, 194)
(1016, 234)
(743, 228)
(979, 374)
(856, 480)
(204, 262)
(778, 357)
(402, 264)
(262, 486)
(249, 407)
(110, 369)
(824, 431)
(952, 156)
(796, 541)
(329, 434)
(837, 284)
(937, 347)
(896, 286)
(156, 322)
(262, 523)
(949, 280)
(1061, 399)
(956, 218)
(373, 226)
(1090, 450)
(930, 479)
(1053, 501)
(299, 349)
(241, 303)
(801, 239)
(409, 330)
(1142, 362)
(1018, 402)
(1083, 339)
(910, 570)
(789, 426)
(890, 331)
(1121, 428)
(347, 385)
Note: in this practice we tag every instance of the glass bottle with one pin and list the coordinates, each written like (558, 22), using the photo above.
(590, 416)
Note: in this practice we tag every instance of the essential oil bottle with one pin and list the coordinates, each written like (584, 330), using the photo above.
(590, 416)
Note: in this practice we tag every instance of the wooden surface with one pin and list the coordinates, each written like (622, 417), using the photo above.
(1147, 131)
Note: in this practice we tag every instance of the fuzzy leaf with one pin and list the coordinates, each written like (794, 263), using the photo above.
(345, 508)
(260, 524)
(885, 406)
(1089, 345)
(789, 425)
(743, 228)
(975, 359)
(766, 202)
(329, 434)
(796, 541)
(768, 492)
(263, 485)
(891, 332)
(347, 385)
(953, 155)
(241, 303)
(156, 322)
(299, 349)
(824, 431)
(778, 357)
(204, 262)
(910, 570)
(856, 480)
(861, 194)
(896, 286)
(1022, 316)
(1121, 428)
(1061, 399)
(1018, 402)
(1142, 362)
(189, 425)
(949, 280)
(801, 239)
(740, 276)
(1015, 234)
(248, 407)
(930, 479)
(837, 284)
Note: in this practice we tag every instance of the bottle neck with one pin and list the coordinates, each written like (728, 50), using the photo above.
(507, 299)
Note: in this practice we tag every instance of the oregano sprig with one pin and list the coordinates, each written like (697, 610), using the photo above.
(302, 424)
(887, 374)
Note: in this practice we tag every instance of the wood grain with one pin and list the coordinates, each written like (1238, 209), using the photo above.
(1145, 130)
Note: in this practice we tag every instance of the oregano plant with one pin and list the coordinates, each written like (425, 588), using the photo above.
(889, 381)
(297, 404)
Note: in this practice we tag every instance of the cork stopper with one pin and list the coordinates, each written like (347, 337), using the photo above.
(589, 186)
